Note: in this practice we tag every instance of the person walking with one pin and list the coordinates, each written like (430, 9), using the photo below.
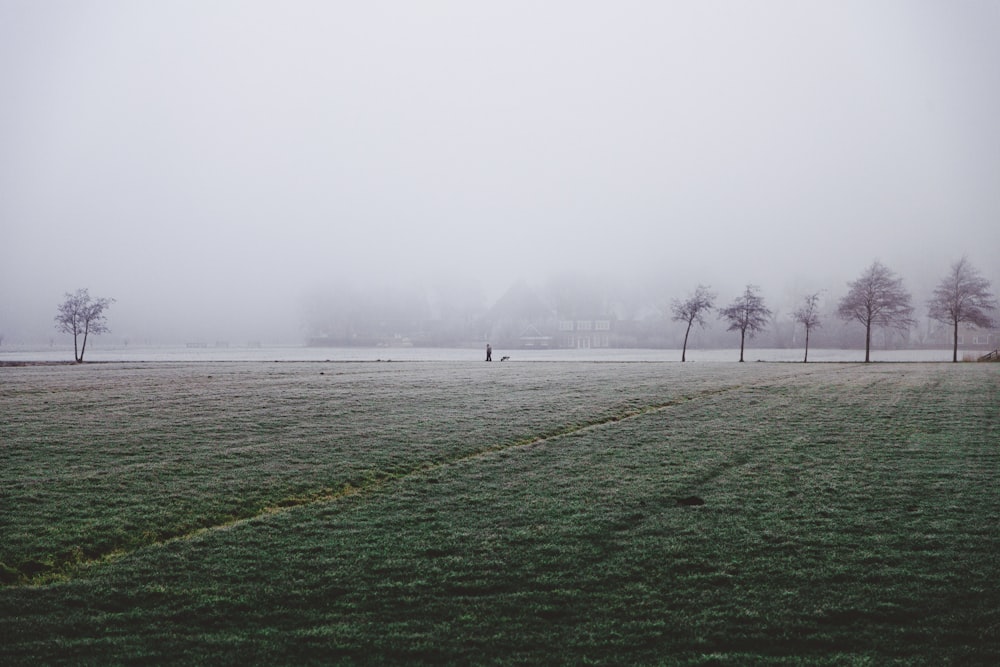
(489, 352)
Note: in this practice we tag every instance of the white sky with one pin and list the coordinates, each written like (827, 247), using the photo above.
(209, 161)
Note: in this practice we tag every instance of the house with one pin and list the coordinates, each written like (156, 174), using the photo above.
(532, 338)
(585, 333)
(942, 335)
(979, 339)
(519, 318)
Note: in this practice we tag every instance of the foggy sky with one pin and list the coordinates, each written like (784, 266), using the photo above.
(207, 163)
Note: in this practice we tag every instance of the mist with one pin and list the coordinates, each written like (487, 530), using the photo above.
(217, 167)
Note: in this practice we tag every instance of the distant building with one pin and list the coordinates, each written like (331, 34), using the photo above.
(969, 337)
(519, 318)
(532, 338)
(979, 339)
(585, 334)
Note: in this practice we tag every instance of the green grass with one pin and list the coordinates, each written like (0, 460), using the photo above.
(517, 513)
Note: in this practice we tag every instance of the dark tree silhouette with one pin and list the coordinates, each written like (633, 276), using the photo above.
(808, 316)
(877, 298)
(692, 310)
(81, 315)
(962, 296)
(746, 314)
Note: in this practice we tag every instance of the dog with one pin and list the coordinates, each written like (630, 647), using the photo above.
(505, 358)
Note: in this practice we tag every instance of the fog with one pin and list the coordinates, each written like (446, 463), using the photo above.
(217, 166)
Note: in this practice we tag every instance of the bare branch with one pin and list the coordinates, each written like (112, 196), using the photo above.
(963, 295)
(692, 310)
(808, 315)
(746, 314)
(80, 315)
(877, 298)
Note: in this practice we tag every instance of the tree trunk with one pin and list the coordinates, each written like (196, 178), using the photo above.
(83, 348)
(806, 358)
(743, 335)
(76, 349)
(868, 342)
(684, 351)
(954, 348)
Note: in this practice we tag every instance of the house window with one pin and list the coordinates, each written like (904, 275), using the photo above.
(602, 325)
(565, 325)
(584, 325)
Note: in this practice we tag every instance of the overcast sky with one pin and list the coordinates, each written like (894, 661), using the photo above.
(210, 161)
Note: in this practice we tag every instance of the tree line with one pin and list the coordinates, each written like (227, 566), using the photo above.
(876, 298)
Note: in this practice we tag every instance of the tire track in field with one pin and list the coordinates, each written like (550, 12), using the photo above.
(68, 569)
(739, 458)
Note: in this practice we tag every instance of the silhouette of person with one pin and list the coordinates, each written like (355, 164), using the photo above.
(489, 352)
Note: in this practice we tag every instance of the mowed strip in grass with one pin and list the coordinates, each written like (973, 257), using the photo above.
(506, 513)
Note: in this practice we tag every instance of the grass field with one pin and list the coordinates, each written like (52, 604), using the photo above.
(519, 513)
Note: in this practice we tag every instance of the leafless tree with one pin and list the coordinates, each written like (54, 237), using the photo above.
(877, 298)
(747, 314)
(81, 315)
(692, 310)
(962, 296)
(808, 316)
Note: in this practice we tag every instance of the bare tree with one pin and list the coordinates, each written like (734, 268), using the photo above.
(808, 316)
(692, 310)
(877, 298)
(747, 314)
(80, 315)
(962, 296)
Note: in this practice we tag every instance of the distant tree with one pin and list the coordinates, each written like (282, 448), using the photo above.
(877, 298)
(81, 315)
(747, 314)
(963, 295)
(692, 310)
(808, 316)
